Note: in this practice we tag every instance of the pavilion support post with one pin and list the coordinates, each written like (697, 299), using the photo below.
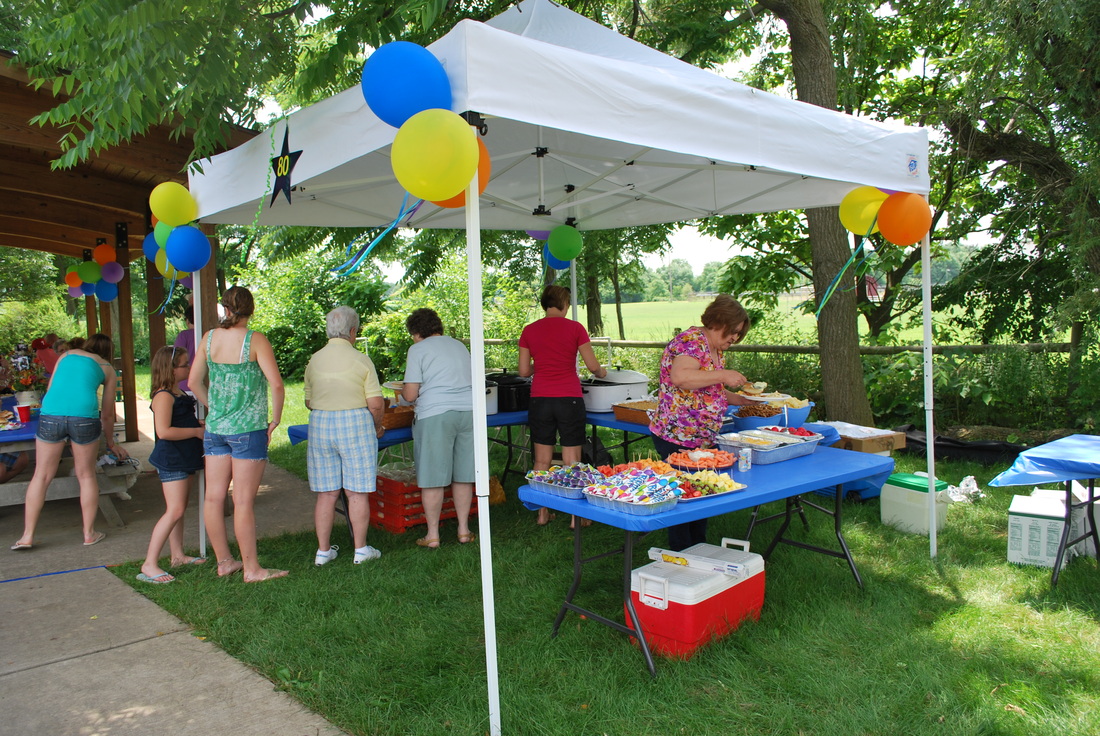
(208, 291)
(154, 288)
(91, 315)
(126, 331)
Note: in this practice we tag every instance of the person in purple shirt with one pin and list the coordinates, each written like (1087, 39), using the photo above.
(186, 340)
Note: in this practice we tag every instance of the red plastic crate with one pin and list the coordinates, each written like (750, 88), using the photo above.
(397, 506)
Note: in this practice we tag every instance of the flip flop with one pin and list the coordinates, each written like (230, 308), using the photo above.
(466, 538)
(99, 537)
(269, 575)
(22, 545)
(425, 542)
(191, 561)
(155, 579)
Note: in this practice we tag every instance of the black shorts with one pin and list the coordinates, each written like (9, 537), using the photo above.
(550, 416)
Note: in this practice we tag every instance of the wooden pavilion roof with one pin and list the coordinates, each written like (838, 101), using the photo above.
(65, 211)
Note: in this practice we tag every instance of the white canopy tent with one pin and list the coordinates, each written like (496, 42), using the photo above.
(584, 127)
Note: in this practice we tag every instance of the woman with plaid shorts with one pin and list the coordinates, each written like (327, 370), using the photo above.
(345, 422)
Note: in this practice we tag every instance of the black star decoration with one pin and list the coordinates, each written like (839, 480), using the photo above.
(283, 165)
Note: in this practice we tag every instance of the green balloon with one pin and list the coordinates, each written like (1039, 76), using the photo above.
(70, 269)
(565, 242)
(88, 271)
(161, 232)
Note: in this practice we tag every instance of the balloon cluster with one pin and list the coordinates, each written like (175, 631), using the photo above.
(435, 153)
(175, 247)
(901, 217)
(98, 277)
(563, 244)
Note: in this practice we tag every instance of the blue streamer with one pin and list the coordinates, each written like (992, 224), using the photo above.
(352, 264)
(836, 279)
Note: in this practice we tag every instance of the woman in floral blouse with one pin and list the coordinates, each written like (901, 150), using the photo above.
(695, 390)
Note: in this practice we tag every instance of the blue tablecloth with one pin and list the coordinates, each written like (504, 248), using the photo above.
(22, 435)
(1076, 457)
(827, 467)
(300, 432)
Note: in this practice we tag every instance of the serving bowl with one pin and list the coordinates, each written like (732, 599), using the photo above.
(792, 418)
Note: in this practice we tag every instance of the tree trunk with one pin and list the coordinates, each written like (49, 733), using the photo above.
(618, 298)
(815, 81)
(592, 304)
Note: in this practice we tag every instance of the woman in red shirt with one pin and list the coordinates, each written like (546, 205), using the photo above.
(556, 408)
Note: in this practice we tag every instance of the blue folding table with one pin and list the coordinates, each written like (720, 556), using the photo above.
(1076, 457)
(786, 480)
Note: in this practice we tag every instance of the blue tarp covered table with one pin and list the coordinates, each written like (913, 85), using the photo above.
(786, 480)
(17, 440)
(1076, 457)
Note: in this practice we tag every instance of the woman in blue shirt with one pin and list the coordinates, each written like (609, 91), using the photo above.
(72, 411)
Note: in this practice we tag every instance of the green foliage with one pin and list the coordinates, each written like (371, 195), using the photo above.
(22, 322)
(27, 275)
(294, 295)
(507, 305)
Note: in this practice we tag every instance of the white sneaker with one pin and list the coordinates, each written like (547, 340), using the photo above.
(323, 557)
(362, 554)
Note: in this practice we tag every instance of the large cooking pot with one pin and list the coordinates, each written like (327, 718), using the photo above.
(513, 391)
(616, 387)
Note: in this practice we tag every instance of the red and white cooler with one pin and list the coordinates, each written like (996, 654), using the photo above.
(688, 598)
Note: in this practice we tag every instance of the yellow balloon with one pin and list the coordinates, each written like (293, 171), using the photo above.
(172, 204)
(859, 208)
(167, 270)
(434, 154)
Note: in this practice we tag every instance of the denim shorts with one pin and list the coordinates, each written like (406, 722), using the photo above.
(244, 446)
(81, 430)
(169, 476)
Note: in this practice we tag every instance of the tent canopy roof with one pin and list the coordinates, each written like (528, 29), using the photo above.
(631, 137)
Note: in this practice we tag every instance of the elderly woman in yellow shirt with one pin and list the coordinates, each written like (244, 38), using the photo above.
(345, 422)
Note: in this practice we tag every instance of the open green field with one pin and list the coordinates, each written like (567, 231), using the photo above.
(662, 320)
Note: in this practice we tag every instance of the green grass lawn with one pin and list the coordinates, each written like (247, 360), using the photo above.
(965, 644)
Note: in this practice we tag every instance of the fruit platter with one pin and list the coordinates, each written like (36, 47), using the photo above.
(706, 484)
(692, 460)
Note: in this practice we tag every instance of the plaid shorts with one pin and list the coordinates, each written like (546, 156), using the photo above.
(342, 451)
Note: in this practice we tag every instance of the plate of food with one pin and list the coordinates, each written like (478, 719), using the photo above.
(773, 396)
(394, 385)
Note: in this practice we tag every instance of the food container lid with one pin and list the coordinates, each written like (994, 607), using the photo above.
(622, 376)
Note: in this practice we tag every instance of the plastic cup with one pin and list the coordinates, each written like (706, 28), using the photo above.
(24, 413)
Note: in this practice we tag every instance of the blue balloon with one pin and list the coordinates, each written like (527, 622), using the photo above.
(188, 249)
(555, 263)
(87, 289)
(105, 291)
(401, 79)
(149, 247)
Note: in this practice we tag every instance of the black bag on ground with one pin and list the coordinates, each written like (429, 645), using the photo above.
(594, 453)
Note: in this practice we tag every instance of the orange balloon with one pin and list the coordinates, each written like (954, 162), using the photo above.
(103, 253)
(484, 170)
(904, 218)
(73, 279)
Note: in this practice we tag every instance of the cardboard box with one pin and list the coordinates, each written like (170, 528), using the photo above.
(1035, 526)
(882, 444)
(681, 608)
(1078, 518)
(904, 503)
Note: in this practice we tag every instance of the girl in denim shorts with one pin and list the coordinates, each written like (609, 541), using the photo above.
(176, 455)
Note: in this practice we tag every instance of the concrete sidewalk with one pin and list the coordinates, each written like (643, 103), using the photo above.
(82, 653)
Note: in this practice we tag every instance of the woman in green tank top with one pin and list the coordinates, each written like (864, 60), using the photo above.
(241, 368)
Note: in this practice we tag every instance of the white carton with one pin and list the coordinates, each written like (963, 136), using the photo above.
(1035, 526)
(1079, 518)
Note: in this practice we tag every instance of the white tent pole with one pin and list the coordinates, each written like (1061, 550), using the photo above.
(481, 447)
(573, 286)
(196, 307)
(929, 425)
